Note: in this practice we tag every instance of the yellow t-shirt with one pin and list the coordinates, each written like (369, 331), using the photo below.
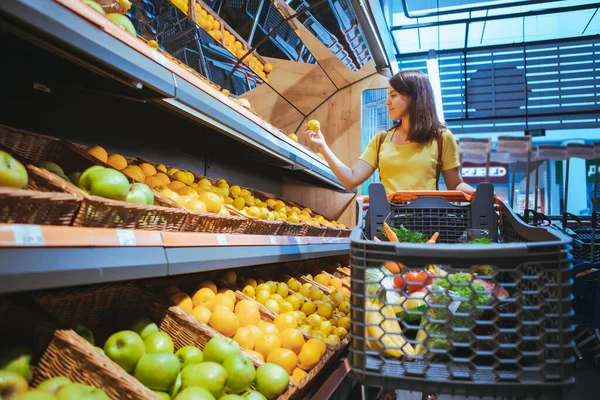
(410, 166)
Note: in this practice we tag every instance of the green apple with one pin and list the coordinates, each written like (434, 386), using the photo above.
(176, 386)
(240, 374)
(136, 197)
(83, 175)
(35, 395)
(85, 333)
(52, 167)
(125, 348)
(94, 5)
(143, 326)
(100, 349)
(253, 395)
(17, 359)
(271, 380)
(232, 397)
(106, 182)
(159, 342)
(219, 348)
(78, 391)
(162, 395)
(11, 384)
(53, 385)
(189, 355)
(157, 371)
(123, 22)
(145, 190)
(74, 178)
(12, 172)
(208, 375)
(195, 393)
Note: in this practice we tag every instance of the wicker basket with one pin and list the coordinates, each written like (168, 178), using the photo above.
(257, 226)
(34, 148)
(42, 203)
(336, 232)
(71, 356)
(63, 352)
(213, 223)
(23, 323)
(110, 308)
(94, 211)
(316, 231)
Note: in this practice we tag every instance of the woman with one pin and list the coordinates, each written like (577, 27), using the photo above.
(412, 154)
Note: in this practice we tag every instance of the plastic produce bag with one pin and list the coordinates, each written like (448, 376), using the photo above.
(452, 310)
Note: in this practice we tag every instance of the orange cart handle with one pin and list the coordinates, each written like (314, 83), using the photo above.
(410, 195)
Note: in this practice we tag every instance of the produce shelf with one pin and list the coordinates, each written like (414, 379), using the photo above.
(43, 257)
(94, 47)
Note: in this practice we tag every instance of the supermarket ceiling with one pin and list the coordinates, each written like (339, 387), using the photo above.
(422, 25)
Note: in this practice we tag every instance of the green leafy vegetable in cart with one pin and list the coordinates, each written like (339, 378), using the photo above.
(407, 236)
(484, 269)
(482, 240)
(456, 294)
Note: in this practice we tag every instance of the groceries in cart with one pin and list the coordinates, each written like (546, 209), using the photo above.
(441, 306)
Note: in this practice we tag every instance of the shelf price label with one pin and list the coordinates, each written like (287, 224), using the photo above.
(126, 237)
(28, 235)
(221, 239)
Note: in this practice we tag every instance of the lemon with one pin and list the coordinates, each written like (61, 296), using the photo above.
(272, 286)
(235, 190)
(285, 306)
(309, 308)
(239, 203)
(293, 219)
(326, 328)
(249, 291)
(344, 322)
(332, 340)
(316, 293)
(340, 332)
(344, 307)
(262, 296)
(313, 125)
(314, 321)
(271, 203)
(325, 310)
(204, 184)
(276, 297)
(272, 305)
(282, 289)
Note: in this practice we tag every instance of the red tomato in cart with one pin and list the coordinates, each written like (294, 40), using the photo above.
(413, 280)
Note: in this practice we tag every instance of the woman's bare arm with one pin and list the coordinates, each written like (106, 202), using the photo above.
(350, 177)
(454, 181)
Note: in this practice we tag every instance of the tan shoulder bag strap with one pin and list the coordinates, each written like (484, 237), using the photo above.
(440, 163)
(381, 140)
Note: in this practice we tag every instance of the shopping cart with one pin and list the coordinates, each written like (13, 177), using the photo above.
(459, 318)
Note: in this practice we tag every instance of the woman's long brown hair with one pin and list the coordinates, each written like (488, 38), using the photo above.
(425, 126)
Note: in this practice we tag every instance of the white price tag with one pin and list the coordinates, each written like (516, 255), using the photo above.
(126, 237)
(221, 239)
(28, 235)
(273, 239)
